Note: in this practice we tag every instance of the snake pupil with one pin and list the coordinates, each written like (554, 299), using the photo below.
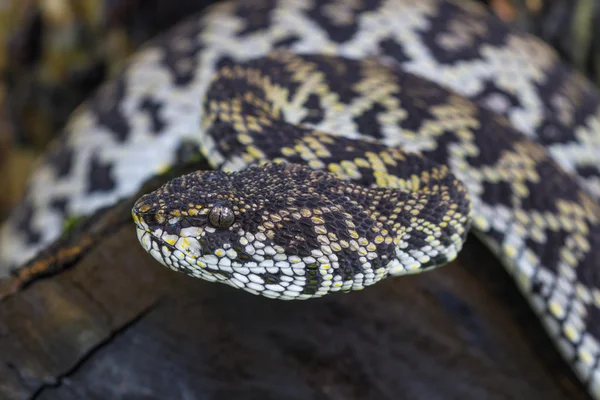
(221, 216)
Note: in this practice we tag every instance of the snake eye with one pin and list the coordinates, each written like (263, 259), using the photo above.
(221, 216)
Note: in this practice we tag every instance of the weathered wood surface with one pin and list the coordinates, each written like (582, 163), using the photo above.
(117, 325)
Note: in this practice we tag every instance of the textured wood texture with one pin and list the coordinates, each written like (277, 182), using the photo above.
(116, 325)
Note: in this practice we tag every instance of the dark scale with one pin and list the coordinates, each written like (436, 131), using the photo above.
(441, 153)
(152, 108)
(180, 51)
(543, 288)
(316, 113)
(550, 256)
(224, 133)
(314, 279)
(381, 263)
(173, 228)
(559, 87)
(106, 107)
(493, 139)
(588, 171)
(349, 265)
(587, 269)
(25, 223)
(591, 320)
(277, 70)
(271, 278)
(340, 31)
(496, 99)
(225, 274)
(419, 98)
(417, 239)
(287, 42)
(460, 35)
(60, 158)
(551, 188)
(433, 262)
(224, 61)
(248, 109)
(339, 78)
(60, 204)
(242, 256)
(368, 120)
(394, 49)
(100, 176)
(256, 15)
(495, 235)
(187, 270)
(498, 193)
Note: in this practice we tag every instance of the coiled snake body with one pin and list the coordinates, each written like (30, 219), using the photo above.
(509, 131)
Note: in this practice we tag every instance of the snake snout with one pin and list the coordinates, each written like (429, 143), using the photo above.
(145, 213)
(144, 204)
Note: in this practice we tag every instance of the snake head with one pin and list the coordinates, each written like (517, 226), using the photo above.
(287, 231)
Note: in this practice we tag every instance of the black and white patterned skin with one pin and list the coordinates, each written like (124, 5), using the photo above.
(526, 143)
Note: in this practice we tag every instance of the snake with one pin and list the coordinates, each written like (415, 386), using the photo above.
(350, 141)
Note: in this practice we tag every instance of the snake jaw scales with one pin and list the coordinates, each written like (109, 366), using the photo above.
(297, 233)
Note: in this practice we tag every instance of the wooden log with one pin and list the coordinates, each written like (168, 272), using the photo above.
(117, 325)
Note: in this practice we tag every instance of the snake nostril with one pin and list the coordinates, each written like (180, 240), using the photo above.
(141, 207)
(154, 219)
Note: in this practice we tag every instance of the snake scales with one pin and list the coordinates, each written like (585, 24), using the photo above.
(524, 140)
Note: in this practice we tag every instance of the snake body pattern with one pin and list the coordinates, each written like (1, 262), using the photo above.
(491, 107)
